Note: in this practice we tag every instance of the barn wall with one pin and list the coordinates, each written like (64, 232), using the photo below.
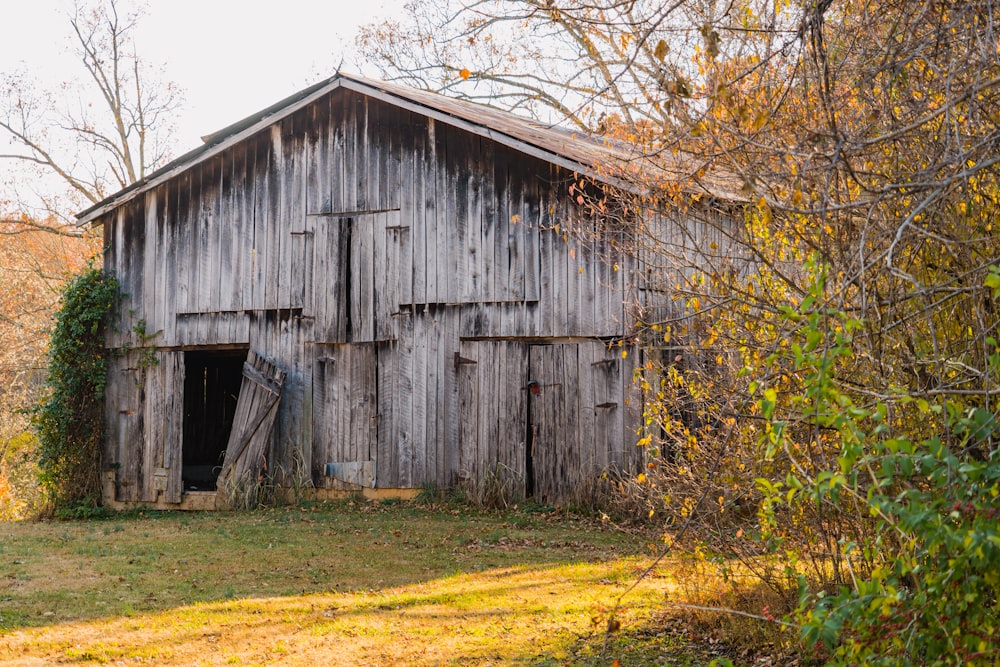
(678, 250)
(366, 249)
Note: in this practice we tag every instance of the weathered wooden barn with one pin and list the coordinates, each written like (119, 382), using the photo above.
(402, 260)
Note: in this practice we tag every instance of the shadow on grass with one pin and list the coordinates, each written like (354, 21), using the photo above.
(53, 572)
(333, 584)
(518, 615)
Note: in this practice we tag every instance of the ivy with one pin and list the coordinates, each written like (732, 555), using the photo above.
(69, 419)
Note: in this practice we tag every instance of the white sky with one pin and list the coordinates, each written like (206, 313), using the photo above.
(231, 57)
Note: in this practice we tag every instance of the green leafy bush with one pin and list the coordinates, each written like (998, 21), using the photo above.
(934, 598)
(916, 516)
(69, 419)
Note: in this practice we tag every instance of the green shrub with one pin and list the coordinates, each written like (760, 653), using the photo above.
(934, 598)
(915, 516)
(69, 419)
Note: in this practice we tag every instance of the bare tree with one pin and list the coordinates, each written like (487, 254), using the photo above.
(96, 134)
(585, 63)
(66, 148)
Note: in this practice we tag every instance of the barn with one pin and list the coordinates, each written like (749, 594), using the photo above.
(366, 287)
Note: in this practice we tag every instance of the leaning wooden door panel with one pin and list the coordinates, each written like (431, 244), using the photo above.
(256, 410)
(345, 414)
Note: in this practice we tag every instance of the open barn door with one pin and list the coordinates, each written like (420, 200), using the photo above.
(212, 380)
(256, 410)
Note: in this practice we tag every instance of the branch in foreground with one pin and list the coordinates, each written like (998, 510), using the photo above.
(13, 227)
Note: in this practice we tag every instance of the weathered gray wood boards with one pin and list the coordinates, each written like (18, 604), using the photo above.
(246, 452)
(571, 403)
(145, 424)
(413, 272)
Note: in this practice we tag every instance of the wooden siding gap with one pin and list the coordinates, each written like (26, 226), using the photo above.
(166, 231)
(228, 247)
(274, 257)
(205, 249)
(446, 264)
(293, 179)
(470, 206)
(365, 177)
(489, 238)
(188, 227)
(413, 171)
(151, 299)
(243, 237)
(503, 237)
(537, 220)
(458, 176)
(436, 211)
(352, 213)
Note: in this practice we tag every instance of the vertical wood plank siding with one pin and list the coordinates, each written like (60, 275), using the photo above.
(410, 277)
(144, 423)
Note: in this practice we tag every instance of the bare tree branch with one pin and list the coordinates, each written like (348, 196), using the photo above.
(104, 131)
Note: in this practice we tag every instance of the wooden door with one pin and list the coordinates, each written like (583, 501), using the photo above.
(492, 392)
(553, 457)
(582, 417)
(145, 399)
(256, 410)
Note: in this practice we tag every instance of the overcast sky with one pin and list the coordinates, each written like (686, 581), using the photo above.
(231, 57)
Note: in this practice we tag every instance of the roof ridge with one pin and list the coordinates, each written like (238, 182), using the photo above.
(575, 150)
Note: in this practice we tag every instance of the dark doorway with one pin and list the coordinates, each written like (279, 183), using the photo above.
(211, 389)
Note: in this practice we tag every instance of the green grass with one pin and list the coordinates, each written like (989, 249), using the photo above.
(390, 583)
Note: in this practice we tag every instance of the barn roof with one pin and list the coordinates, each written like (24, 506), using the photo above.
(573, 150)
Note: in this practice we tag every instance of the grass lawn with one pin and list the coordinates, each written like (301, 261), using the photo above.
(349, 582)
